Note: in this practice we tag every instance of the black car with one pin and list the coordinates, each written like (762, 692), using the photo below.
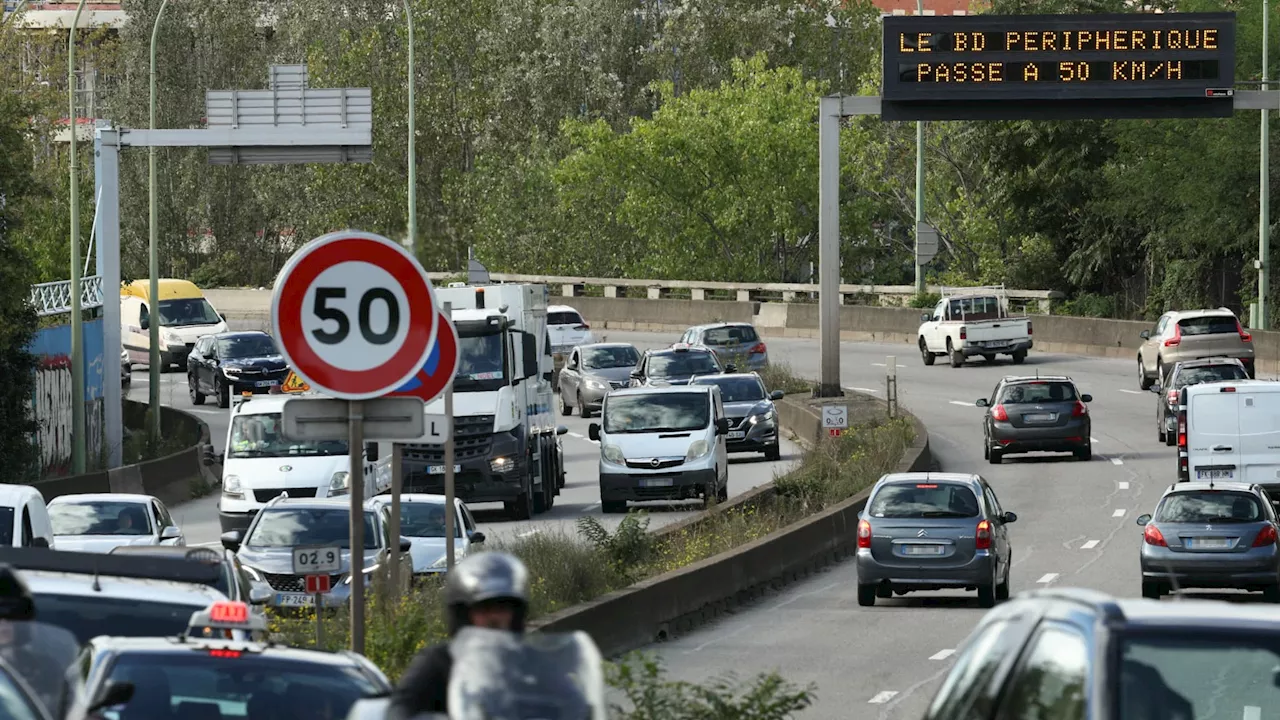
(235, 582)
(676, 365)
(1184, 374)
(1036, 414)
(1089, 656)
(753, 419)
(232, 363)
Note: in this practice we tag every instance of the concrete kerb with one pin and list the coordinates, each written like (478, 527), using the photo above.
(660, 607)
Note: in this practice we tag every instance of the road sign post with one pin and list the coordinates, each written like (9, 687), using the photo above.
(316, 564)
(450, 517)
(835, 418)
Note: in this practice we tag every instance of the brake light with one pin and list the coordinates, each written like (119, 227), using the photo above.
(1244, 336)
(1177, 337)
(1227, 388)
(998, 413)
(864, 534)
(982, 540)
(224, 653)
(1266, 537)
(1182, 429)
(1080, 410)
(964, 333)
(759, 349)
(927, 487)
(1028, 327)
(1152, 536)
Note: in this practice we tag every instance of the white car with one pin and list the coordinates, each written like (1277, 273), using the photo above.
(101, 522)
(422, 522)
(567, 329)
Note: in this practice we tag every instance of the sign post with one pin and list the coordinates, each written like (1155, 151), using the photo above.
(356, 318)
(450, 516)
(316, 564)
(835, 418)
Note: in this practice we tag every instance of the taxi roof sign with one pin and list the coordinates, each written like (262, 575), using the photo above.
(228, 615)
(294, 384)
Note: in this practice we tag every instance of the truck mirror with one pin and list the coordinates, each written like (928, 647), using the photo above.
(530, 347)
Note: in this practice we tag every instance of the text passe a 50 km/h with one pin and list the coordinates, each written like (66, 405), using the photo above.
(1043, 66)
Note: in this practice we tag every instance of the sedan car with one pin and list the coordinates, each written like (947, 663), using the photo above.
(234, 363)
(734, 343)
(1183, 374)
(1211, 535)
(676, 365)
(753, 419)
(591, 372)
(233, 580)
(1036, 414)
(933, 531)
(422, 519)
(101, 522)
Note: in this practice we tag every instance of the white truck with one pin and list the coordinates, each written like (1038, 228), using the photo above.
(973, 322)
(506, 441)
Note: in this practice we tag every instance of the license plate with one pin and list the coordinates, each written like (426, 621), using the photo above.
(923, 550)
(1040, 417)
(291, 600)
(656, 482)
(1215, 474)
(737, 434)
(439, 469)
(1209, 543)
(264, 383)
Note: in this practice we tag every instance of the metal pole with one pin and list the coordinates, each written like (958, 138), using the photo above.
(829, 113)
(1264, 187)
(153, 252)
(106, 170)
(319, 621)
(450, 517)
(77, 320)
(919, 185)
(355, 442)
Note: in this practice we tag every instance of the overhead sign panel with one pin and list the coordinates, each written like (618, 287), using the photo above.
(989, 67)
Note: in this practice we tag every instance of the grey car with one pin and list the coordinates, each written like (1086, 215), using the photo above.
(733, 343)
(591, 371)
(1211, 535)
(676, 365)
(1036, 414)
(753, 419)
(933, 531)
(1184, 374)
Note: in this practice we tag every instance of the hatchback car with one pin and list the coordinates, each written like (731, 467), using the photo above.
(1211, 535)
(567, 329)
(1183, 374)
(933, 531)
(422, 519)
(1036, 414)
(1189, 335)
(753, 419)
(591, 372)
(677, 365)
(734, 343)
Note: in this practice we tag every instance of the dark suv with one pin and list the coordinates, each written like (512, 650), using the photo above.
(1087, 655)
(676, 365)
(1036, 414)
(1183, 374)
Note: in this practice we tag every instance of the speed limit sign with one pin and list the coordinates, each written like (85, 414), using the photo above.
(354, 315)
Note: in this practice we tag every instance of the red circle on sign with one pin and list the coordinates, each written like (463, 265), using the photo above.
(446, 365)
(322, 254)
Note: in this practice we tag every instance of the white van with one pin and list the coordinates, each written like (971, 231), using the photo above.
(1230, 431)
(185, 316)
(24, 518)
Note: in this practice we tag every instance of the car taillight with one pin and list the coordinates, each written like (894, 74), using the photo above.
(1244, 336)
(982, 540)
(224, 653)
(1080, 410)
(864, 534)
(998, 413)
(1267, 536)
(1173, 396)
(1182, 429)
(1152, 536)
(1028, 327)
(759, 349)
(964, 333)
(1177, 337)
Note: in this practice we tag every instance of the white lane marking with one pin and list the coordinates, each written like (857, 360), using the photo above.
(1093, 440)
(577, 435)
(715, 640)
(1117, 461)
(1048, 578)
(1133, 392)
(591, 507)
(1124, 484)
(866, 390)
(877, 364)
(1089, 545)
(960, 402)
(1119, 512)
(529, 533)
(942, 654)
(1252, 712)
(883, 697)
(208, 544)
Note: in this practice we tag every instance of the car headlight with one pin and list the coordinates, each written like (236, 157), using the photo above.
(764, 417)
(597, 384)
(231, 371)
(613, 454)
(698, 449)
(339, 483)
(231, 486)
(502, 464)
(172, 339)
(365, 571)
(444, 561)
(252, 573)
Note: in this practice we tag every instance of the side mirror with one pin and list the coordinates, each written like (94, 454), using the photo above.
(722, 426)
(731, 368)
(231, 539)
(593, 431)
(1157, 388)
(1086, 398)
(40, 542)
(145, 324)
(982, 402)
(405, 544)
(371, 451)
(1145, 334)
(260, 593)
(925, 317)
(777, 395)
(115, 693)
(476, 537)
(561, 429)
(1144, 519)
(1010, 517)
(529, 346)
(635, 375)
(224, 317)
(173, 532)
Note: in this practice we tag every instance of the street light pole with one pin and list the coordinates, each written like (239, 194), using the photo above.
(77, 321)
(153, 254)
(1264, 187)
(919, 185)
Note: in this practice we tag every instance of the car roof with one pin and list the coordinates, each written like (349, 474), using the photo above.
(706, 379)
(661, 390)
(97, 497)
(1217, 385)
(425, 498)
(712, 326)
(118, 644)
(1205, 312)
(10, 492)
(241, 333)
(190, 552)
(1035, 378)
(263, 405)
(1142, 613)
(1196, 485)
(47, 582)
(919, 477)
(605, 345)
(334, 503)
(683, 350)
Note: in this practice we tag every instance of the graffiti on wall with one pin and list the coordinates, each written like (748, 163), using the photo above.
(51, 401)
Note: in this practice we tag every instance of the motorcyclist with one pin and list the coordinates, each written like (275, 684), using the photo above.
(488, 589)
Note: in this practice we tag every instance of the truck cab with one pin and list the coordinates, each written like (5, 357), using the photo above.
(964, 324)
(506, 441)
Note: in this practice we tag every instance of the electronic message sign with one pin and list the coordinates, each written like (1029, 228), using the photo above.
(1058, 66)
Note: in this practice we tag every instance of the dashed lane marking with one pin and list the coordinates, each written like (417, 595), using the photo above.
(577, 435)
(1252, 712)
(1093, 440)
(866, 390)
(1124, 484)
(1089, 545)
(883, 697)
(877, 364)
(528, 533)
(1119, 512)
(961, 402)
(1117, 461)
(942, 654)
(589, 508)
(1132, 392)
(1047, 578)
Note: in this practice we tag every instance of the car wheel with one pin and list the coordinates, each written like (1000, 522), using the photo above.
(995, 456)
(866, 595)
(722, 495)
(223, 393)
(166, 363)
(1144, 382)
(986, 449)
(957, 357)
(193, 389)
(1271, 594)
(989, 357)
(925, 355)
(987, 594)
(773, 454)
(884, 591)
(565, 408)
(582, 409)
(1151, 590)
(612, 507)
(1002, 590)
(1159, 371)
(1084, 453)
(1160, 433)
(1019, 357)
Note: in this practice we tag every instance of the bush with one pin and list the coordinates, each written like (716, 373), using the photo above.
(651, 696)
(780, 376)
(925, 300)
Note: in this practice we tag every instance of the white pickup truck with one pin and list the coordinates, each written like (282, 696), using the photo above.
(973, 324)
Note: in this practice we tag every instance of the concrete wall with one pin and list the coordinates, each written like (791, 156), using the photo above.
(51, 401)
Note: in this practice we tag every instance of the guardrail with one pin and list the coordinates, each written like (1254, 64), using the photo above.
(1036, 301)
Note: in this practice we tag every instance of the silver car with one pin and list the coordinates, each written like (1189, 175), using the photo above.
(591, 372)
(1211, 535)
(933, 531)
(733, 343)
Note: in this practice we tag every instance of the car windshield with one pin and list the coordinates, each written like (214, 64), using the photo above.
(679, 364)
(924, 500)
(236, 685)
(481, 357)
(567, 317)
(657, 412)
(262, 435)
(246, 346)
(1207, 676)
(1208, 373)
(1039, 391)
(603, 358)
(736, 389)
(1209, 325)
(425, 519)
(91, 615)
(1209, 506)
(187, 311)
(99, 518)
(292, 527)
(731, 335)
